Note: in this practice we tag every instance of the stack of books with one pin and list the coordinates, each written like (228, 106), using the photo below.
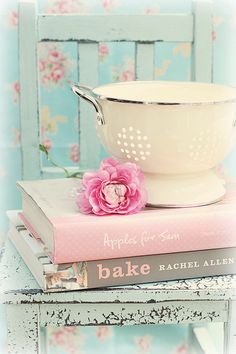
(67, 250)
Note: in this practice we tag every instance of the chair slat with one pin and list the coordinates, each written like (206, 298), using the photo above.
(29, 111)
(145, 61)
(101, 28)
(88, 31)
(88, 74)
(202, 49)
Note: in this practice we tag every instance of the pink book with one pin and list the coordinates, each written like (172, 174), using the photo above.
(50, 213)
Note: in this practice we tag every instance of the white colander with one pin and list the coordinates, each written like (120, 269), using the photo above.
(177, 132)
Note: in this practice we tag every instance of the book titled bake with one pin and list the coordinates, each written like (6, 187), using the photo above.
(116, 272)
(50, 213)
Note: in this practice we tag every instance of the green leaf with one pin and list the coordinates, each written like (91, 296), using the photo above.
(43, 149)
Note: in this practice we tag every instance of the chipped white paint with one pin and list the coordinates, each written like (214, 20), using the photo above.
(190, 301)
(29, 103)
(133, 314)
(230, 329)
(103, 28)
(145, 61)
(203, 46)
(90, 146)
(23, 329)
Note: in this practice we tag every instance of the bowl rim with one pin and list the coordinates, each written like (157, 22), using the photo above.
(103, 97)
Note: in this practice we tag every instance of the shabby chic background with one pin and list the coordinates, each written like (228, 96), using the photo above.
(61, 134)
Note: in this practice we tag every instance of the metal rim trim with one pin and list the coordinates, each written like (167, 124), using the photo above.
(104, 98)
(194, 205)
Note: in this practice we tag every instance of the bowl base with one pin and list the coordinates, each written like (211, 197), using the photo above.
(185, 190)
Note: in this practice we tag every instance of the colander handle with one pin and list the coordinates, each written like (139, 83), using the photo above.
(87, 93)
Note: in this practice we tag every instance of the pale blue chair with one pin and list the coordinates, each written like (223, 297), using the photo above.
(88, 31)
(194, 301)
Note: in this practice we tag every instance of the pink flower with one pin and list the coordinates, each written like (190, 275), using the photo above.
(57, 73)
(108, 4)
(66, 6)
(182, 349)
(115, 188)
(214, 35)
(54, 56)
(48, 144)
(42, 65)
(74, 153)
(17, 137)
(45, 79)
(144, 343)
(15, 87)
(103, 51)
(102, 332)
(127, 75)
(13, 18)
(151, 11)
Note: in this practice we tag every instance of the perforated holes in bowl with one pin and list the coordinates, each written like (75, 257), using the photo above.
(203, 146)
(133, 143)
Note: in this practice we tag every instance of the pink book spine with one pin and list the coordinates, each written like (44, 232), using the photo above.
(106, 238)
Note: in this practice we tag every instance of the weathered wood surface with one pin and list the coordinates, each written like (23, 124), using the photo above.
(19, 286)
(203, 46)
(145, 61)
(132, 314)
(103, 28)
(88, 73)
(23, 329)
(29, 101)
(230, 329)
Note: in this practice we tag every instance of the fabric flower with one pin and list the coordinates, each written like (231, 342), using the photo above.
(116, 188)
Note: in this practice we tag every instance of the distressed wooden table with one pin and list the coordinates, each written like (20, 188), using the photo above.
(211, 299)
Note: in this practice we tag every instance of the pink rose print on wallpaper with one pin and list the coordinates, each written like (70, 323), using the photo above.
(109, 4)
(69, 339)
(124, 71)
(47, 143)
(144, 344)
(15, 89)
(182, 349)
(151, 10)
(103, 332)
(214, 35)
(13, 19)
(74, 153)
(103, 51)
(116, 188)
(217, 21)
(67, 6)
(55, 66)
(16, 137)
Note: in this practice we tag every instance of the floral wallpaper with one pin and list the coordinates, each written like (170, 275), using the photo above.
(60, 132)
(113, 340)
